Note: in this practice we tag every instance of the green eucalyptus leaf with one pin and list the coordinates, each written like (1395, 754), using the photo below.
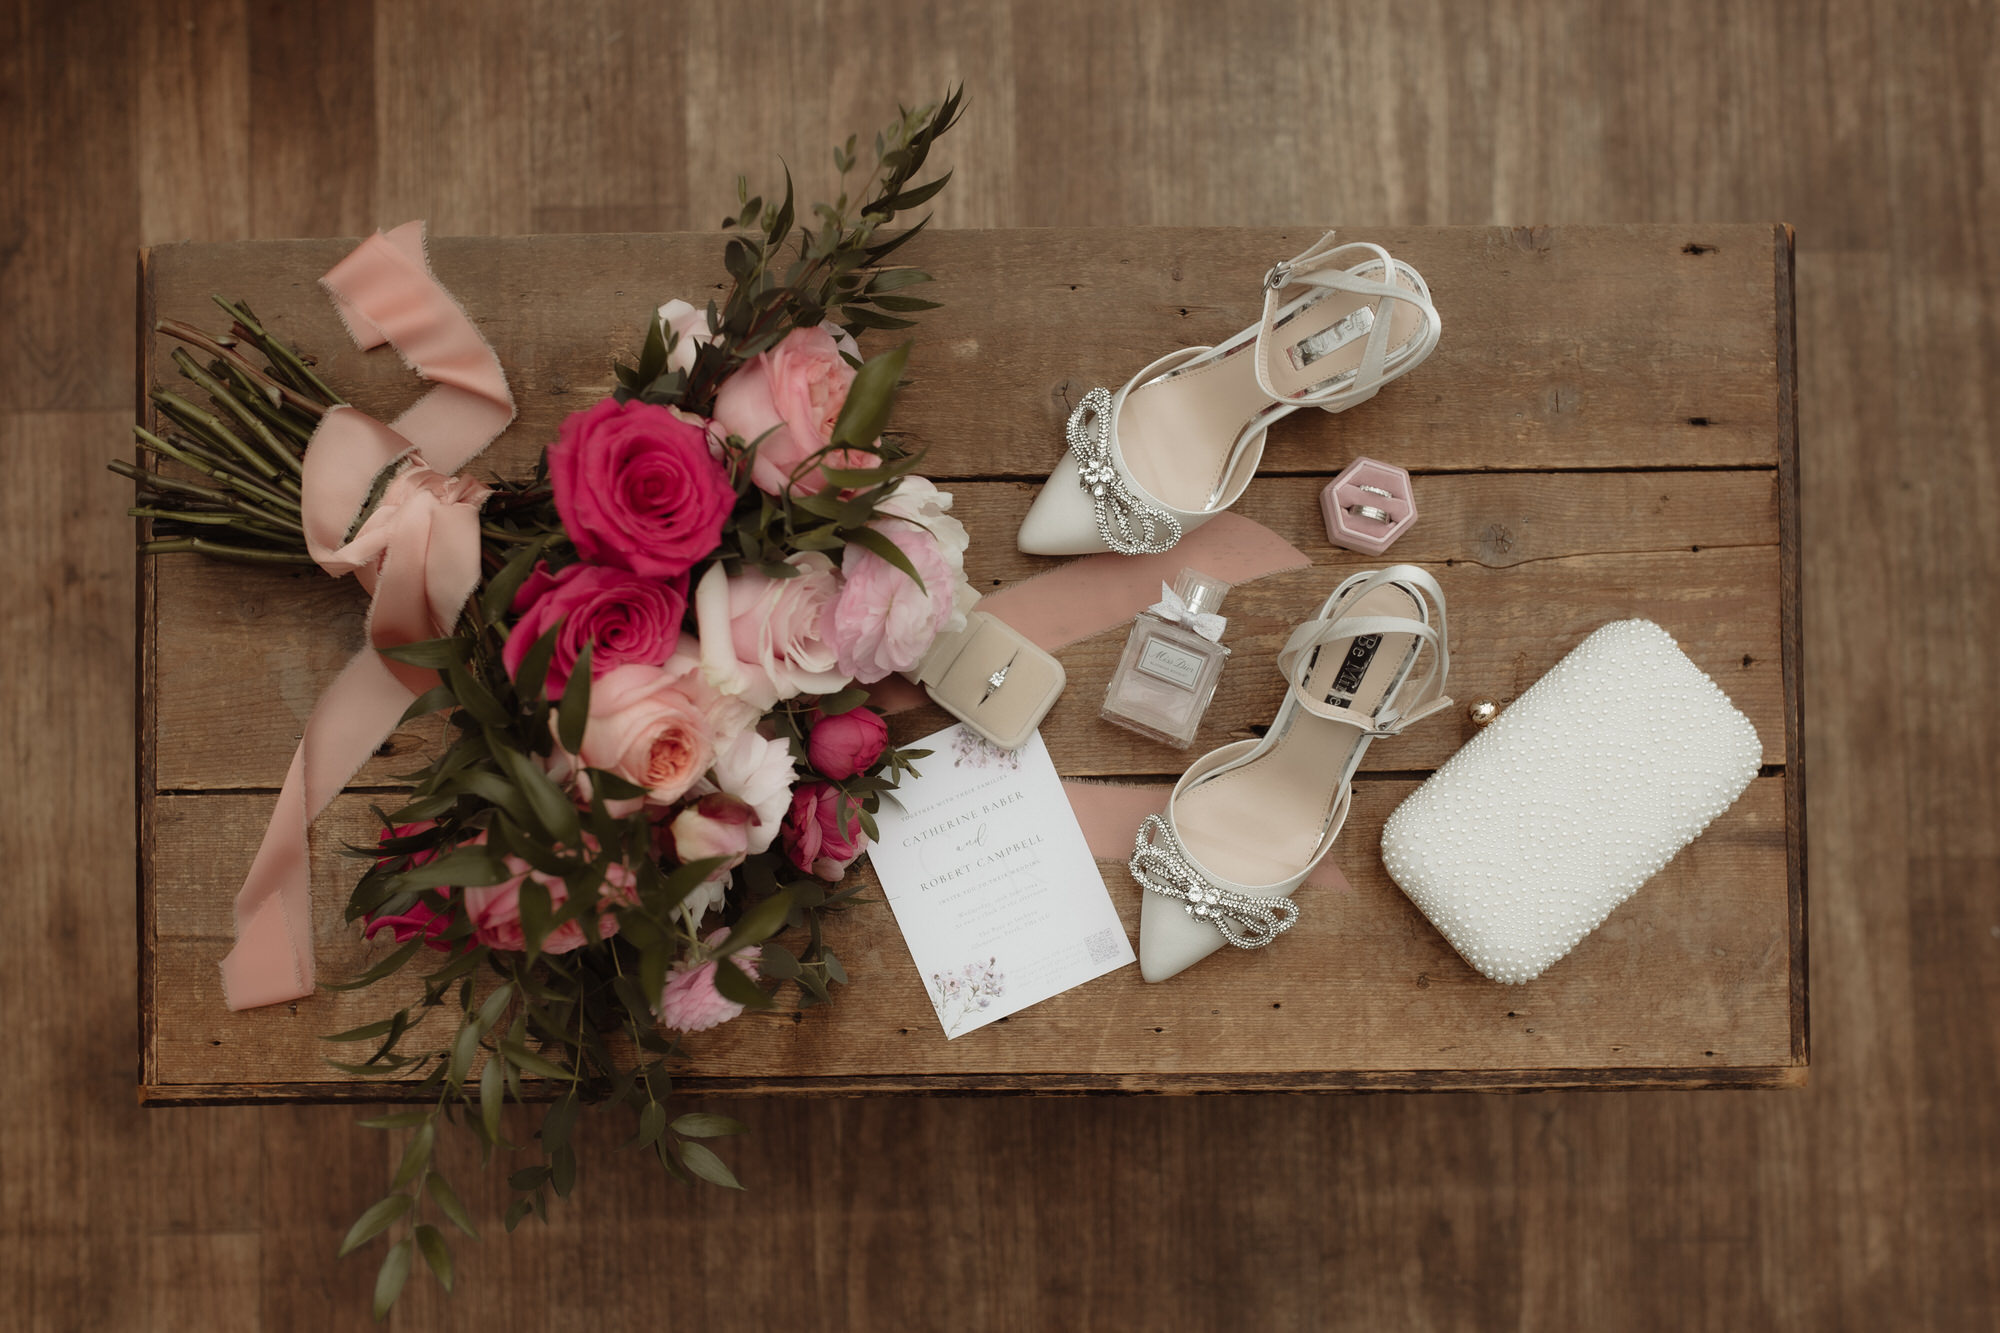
(872, 539)
(447, 1201)
(758, 924)
(380, 1216)
(704, 1163)
(866, 412)
(417, 1156)
(732, 984)
(575, 711)
(701, 1125)
(437, 1253)
(492, 1083)
(547, 805)
(516, 1211)
(498, 599)
(434, 653)
(389, 1280)
(462, 867)
(430, 701)
(533, 672)
(402, 955)
(529, 1062)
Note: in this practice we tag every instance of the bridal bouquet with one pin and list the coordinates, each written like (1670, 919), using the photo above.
(660, 762)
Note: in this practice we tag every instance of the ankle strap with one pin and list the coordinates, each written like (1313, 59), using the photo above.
(1324, 264)
(1338, 626)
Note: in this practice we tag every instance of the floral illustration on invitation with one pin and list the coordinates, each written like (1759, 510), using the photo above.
(966, 992)
(653, 653)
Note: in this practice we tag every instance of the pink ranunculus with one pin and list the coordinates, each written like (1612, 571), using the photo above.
(764, 638)
(690, 326)
(847, 743)
(637, 488)
(626, 617)
(690, 1002)
(495, 909)
(786, 401)
(823, 832)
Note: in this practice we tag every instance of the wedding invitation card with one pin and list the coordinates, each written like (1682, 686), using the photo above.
(991, 881)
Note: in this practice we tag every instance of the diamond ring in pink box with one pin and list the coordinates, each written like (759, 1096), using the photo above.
(1368, 506)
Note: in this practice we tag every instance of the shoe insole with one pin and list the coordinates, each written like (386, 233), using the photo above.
(1177, 433)
(1261, 823)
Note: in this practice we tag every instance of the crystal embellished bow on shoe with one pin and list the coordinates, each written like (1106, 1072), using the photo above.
(1161, 864)
(1179, 442)
(1125, 523)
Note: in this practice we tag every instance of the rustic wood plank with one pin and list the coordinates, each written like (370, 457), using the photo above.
(1532, 560)
(1692, 973)
(1563, 347)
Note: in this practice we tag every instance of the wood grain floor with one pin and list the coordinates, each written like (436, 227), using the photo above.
(1870, 1200)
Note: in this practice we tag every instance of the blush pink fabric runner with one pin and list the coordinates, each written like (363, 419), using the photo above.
(418, 555)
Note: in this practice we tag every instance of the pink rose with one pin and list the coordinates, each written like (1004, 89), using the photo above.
(785, 402)
(495, 909)
(764, 638)
(690, 326)
(847, 743)
(627, 618)
(690, 1002)
(648, 730)
(823, 831)
(637, 488)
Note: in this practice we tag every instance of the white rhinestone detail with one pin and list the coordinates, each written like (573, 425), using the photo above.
(1161, 865)
(1125, 523)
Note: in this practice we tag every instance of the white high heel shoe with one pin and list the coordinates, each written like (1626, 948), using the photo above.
(1177, 445)
(1249, 820)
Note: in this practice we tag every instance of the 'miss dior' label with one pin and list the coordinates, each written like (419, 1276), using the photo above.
(1171, 663)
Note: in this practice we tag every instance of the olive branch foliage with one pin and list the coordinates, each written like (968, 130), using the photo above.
(487, 1026)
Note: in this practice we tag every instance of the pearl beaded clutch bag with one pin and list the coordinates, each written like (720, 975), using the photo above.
(1582, 790)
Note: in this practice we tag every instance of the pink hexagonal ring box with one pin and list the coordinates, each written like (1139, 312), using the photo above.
(1368, 506)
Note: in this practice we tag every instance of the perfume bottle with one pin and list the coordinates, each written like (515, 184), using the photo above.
(1172, 661)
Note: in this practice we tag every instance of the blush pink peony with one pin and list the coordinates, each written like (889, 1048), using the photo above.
(764, 638)
(690, 1002)
(625, 617)
(785, 402)
(638, 489)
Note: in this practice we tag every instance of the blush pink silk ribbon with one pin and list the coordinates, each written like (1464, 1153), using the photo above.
(417, 555)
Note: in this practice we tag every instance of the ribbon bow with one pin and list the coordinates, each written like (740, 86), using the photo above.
(1125, 522)
(1172, 607)
(417, 555)
(1163, 866)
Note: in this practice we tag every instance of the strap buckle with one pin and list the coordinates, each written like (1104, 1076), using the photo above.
(1278, 276)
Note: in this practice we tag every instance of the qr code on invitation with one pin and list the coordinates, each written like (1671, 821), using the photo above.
(1103, 946)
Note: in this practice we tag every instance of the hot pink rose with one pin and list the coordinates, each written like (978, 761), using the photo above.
(495, 909)
(626, 617)
(847, 743)
(823, 831)
(637, 488)
(786, 401)
(419, 920)
(690, 1002)
(660, 727)
(764, 638)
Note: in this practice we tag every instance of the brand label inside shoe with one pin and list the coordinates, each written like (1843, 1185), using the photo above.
(1348, 682)
(1331, 338)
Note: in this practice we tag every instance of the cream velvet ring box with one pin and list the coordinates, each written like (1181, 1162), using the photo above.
(1607, 766)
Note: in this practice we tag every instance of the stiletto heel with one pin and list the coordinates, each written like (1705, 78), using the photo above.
(1177, 445)
(1248, 821)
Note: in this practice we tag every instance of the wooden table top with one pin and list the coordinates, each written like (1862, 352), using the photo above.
(1608, 429)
